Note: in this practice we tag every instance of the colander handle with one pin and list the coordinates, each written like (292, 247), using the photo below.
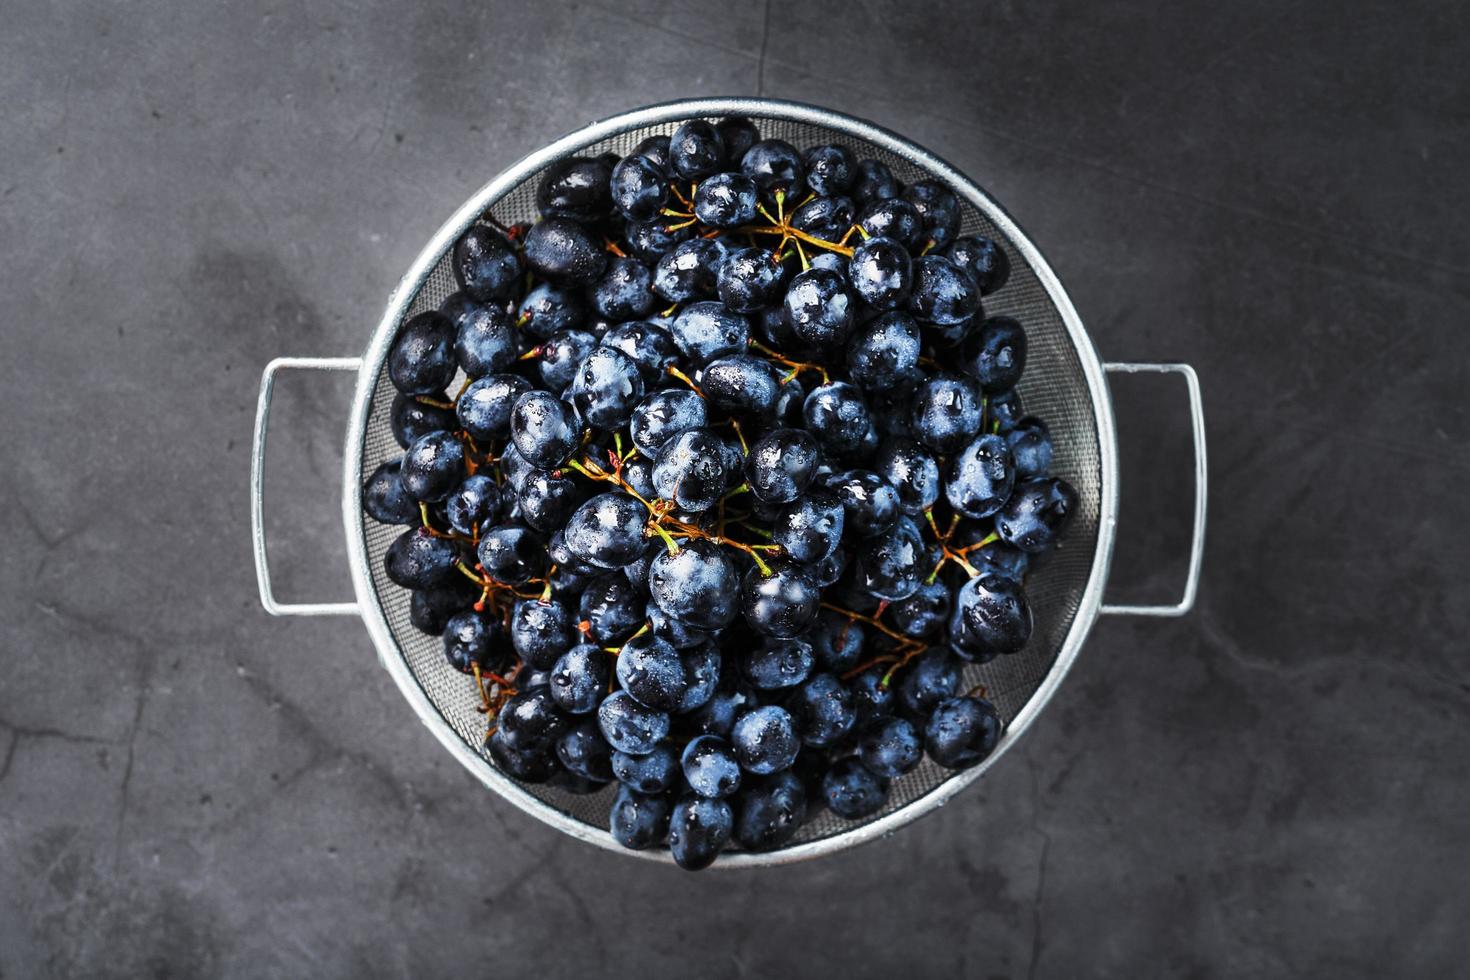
(1201, 471)
(257, 488)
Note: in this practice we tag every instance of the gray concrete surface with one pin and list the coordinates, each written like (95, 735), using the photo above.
(1275, 786)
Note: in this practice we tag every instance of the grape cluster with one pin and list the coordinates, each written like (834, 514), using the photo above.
(736, 482)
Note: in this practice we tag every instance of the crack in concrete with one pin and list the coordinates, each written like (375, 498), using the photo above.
(760, 65)
(1038, 944)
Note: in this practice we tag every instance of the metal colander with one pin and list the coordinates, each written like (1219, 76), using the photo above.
(1063, 384)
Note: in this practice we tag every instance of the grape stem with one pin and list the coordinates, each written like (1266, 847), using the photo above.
(796, 366)
(946, 552)
(686, 379)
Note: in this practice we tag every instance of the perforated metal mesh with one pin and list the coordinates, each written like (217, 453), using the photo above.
(1054, 387)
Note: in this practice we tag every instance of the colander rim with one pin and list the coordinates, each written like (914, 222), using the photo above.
(374, 618)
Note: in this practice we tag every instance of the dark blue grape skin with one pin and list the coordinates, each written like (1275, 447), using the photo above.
(697, 585)
(925, 612)
(777, 169)
(946, 412)
(881, 273)
(547, 499)
(1004, 410)
(606, 388)
(607, 531)
(709, 767)
(431, 609)
(559, 357)
(781, 465)
(418, 560)
(825, 218)
(583, 750)
(717, 716)
(852, 791)
(883, 355)
(564, 252)
(485, 341)
(688, 271)
(531, 719)
(484, 409)
(872, 700)
(575, 187)
(874, 181)
(1031, 447)
(548, 308)
(765, 740)
(649, 241)
(837, 641)
(411, 418)
(1036, 514)
(741, 384)
(750, 279)
(625, 291)
(836, 414)
(699, 829)
(544, 429)
(738, 134)
(895, 219)
(690, 470)
(830, 169)
(962, 732)
(980, 477)
(778, 664)
(995, 354)
(579, 679)
(535, 765)
(512, 555)
(726, 201)
(432, 467)
(663, 415)
(891, 748)
(769, 811)
(638, 821)
(829, 569)
(942, 292)
(385, 499)
(421, 360)
(869, 503)
(655, 149)
(650, 669)
(472, 504)
(819, 310)
(999, 558)
(783, 603)
(984, 259)
(473, 639)
(707, 330)
(939, 208)
(823, 709)
(628, 726)
(810, 528)
(991, 617)
(613, 608)
(702, 669)
(485, 264)
(655, 772)
(639, 187)
(911, 471)
(892, 565)
(650, 346)
(696, 150)
(932, 677)
(541, 630)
